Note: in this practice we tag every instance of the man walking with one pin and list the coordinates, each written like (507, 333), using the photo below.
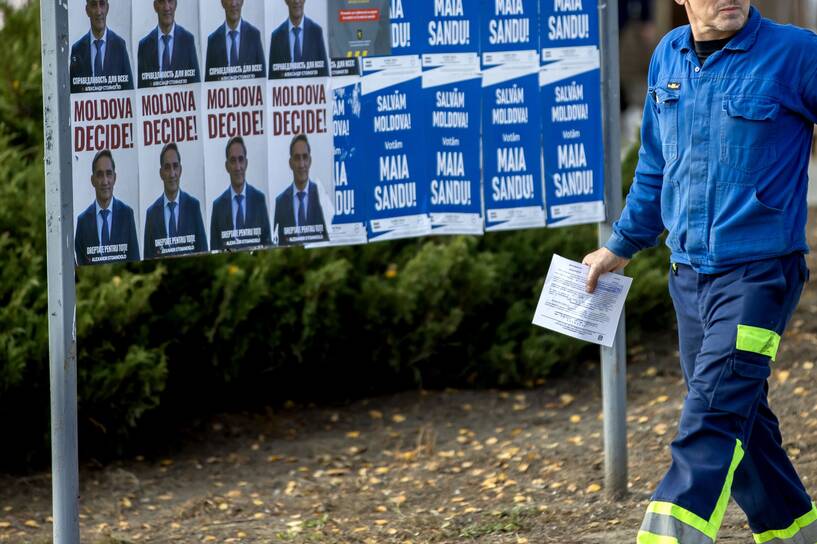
(723, 167)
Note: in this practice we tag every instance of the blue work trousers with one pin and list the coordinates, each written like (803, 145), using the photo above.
(729, 442)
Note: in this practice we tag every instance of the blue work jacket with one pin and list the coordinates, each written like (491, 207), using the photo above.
(723, 164)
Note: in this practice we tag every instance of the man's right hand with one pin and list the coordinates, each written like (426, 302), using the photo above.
(600, 261)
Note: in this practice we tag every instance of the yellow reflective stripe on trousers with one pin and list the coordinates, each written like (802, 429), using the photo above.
(705, 529)
(648, 538)
(804, 523)
(757, 340)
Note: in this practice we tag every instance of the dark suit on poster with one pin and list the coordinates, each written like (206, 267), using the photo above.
(285, 213)
(190, 222)
(314, 47)
(123, 231)
(256, 216)
(250, 50)
(183, 58)
(115, 61)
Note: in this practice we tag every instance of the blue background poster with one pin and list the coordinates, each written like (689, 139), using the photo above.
(349, 224)
(511, 121)
(392, 133)
(571, 104)
(406, 26)
(452, 98)
(450, 26)
(510, 25)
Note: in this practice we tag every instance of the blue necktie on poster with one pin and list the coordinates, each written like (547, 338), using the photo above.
(297, 55)
(106, 234)
(98, 58)
(172, 229)
(233, 48)
(301, 210)
(166, 52)
(239, 213)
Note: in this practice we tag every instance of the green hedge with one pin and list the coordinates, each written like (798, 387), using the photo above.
(161, 344)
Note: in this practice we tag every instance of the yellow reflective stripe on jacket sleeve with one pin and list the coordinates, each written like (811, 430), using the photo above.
(789, 532)
(648, 538)
(757, 340)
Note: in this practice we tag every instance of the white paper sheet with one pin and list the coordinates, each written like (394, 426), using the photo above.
(567, 308)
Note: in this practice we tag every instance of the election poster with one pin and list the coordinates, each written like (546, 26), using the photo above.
(451, 26)
(235, 35)
(406, 27)
(452, 92)
(510, 25)
(359, 28)
(166, 40)
(570, 86)
(234, 125)
(168, 133)
(394, 133)
(349, 224)
(103, 141)
(299, 134)
(511, 121)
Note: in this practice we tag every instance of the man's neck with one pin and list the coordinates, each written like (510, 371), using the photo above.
(99, 35)
(239, 188)
(172, 197)
(298, 22)
(233, 25)
(165, 30)
(104, 205)
(301, 186)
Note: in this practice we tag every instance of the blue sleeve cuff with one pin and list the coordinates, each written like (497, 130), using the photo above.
(621, 247)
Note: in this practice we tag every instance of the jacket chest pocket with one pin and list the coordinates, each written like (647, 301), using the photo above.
(666, 104)
(748, 132)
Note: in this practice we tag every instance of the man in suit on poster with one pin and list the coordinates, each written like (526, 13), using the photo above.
(298, 39)
(298, 212)
(167, 47)
(175, 214)
(106, 231)
(235, 43)
(100, 52)
(240, 218)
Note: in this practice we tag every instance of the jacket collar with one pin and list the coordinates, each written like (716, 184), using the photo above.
(742, 41)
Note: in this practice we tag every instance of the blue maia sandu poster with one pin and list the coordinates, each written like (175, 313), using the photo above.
(509, 25)
(511, 121)
(450, 26)
(571, 120)
(349, 224)
(406, 27)
(452, 94)
(393, 135)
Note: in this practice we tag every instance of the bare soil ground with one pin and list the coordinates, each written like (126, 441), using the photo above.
(421, 467)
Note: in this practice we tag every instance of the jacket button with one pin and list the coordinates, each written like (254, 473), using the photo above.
(697, 69)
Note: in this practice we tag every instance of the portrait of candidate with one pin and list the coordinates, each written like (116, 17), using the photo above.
(107, 221)
(298, 39)
(100, 52)
(174, 214)
(299, 204)
(234, 43)
(168, 46)
(240, 207)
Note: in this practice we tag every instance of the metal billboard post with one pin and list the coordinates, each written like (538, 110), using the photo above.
(613, 360)
(62, 343)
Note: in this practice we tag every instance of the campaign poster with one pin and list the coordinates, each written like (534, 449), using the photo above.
(103, 140)
(452, 94)
(510, 25)
(406, 26)
(168, 132)
(569, 80)
(511, 123)
(235, 35)
(349, 224)
(299, 127)
(236, 203)
(450, 26)
(298, 39)
(166, 40)
(359, 28)
(393, 132)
